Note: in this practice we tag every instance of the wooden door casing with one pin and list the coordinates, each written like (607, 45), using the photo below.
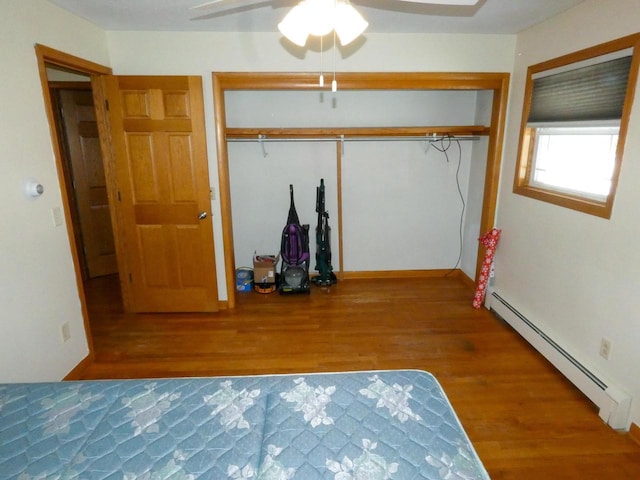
(157, 126)
(223, 82)
(88, 181)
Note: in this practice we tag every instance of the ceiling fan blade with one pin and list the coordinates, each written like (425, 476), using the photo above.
(441, 2)
(206, 4)
(224, 5)
(432, 2)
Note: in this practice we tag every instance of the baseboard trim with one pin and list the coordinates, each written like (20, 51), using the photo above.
(401, 274)
(466, 279)
(634, 433)
(78, 370)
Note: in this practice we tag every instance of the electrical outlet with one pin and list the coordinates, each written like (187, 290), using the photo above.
(605, 348)
(65, 330)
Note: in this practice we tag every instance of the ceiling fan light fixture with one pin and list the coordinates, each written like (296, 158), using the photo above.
(294, 25)
(320, 16)
(348, 24)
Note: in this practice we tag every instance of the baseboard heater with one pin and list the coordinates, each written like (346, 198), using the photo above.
(614, 404)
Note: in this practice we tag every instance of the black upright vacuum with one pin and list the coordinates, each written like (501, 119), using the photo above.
(323, 242)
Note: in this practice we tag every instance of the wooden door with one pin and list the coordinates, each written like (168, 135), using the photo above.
(88, 182)
(157, 127)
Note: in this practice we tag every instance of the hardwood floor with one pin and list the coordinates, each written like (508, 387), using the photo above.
(525, 419)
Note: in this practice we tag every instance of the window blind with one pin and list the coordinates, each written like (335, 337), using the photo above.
(594, 92)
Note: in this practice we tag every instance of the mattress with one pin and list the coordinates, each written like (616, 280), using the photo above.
(339, 426)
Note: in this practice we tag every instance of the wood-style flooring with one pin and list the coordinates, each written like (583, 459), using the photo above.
(524, 418)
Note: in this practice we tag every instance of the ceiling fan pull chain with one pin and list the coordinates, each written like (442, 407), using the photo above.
(334, 83)
(321, 75)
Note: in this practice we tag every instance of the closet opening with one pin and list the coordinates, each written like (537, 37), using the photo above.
(410, 162)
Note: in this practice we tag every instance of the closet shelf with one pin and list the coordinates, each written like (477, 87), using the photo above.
(337, 133)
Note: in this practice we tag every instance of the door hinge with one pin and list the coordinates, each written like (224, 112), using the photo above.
(119, 197)
(130, 278)
(106, 105)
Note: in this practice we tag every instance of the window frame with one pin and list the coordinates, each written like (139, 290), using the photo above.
(523, 181)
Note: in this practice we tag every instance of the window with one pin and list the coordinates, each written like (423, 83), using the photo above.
(561, 152)
(574, 124)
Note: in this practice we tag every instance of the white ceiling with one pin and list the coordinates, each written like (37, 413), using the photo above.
(384, 16)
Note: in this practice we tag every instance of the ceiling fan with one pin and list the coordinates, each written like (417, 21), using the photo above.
(320, 17)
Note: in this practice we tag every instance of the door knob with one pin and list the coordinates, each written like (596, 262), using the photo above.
(202, 215)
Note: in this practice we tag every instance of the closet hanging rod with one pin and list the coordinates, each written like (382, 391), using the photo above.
(430, 139)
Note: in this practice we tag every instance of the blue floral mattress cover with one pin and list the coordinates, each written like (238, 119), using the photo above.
(339, 426)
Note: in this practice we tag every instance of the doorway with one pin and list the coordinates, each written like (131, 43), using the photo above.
(51, 63)
(76, 127)
(154, 183)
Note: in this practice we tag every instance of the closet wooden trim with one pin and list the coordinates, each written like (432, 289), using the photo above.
(498, 83)
(361, 81)
(340, 230)
(354, 132)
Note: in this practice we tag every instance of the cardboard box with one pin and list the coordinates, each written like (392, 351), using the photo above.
(264, 268)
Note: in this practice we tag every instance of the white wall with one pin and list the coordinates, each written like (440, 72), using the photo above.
(573, 274)
(37, 283)
(202, 53)
(401, 208)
